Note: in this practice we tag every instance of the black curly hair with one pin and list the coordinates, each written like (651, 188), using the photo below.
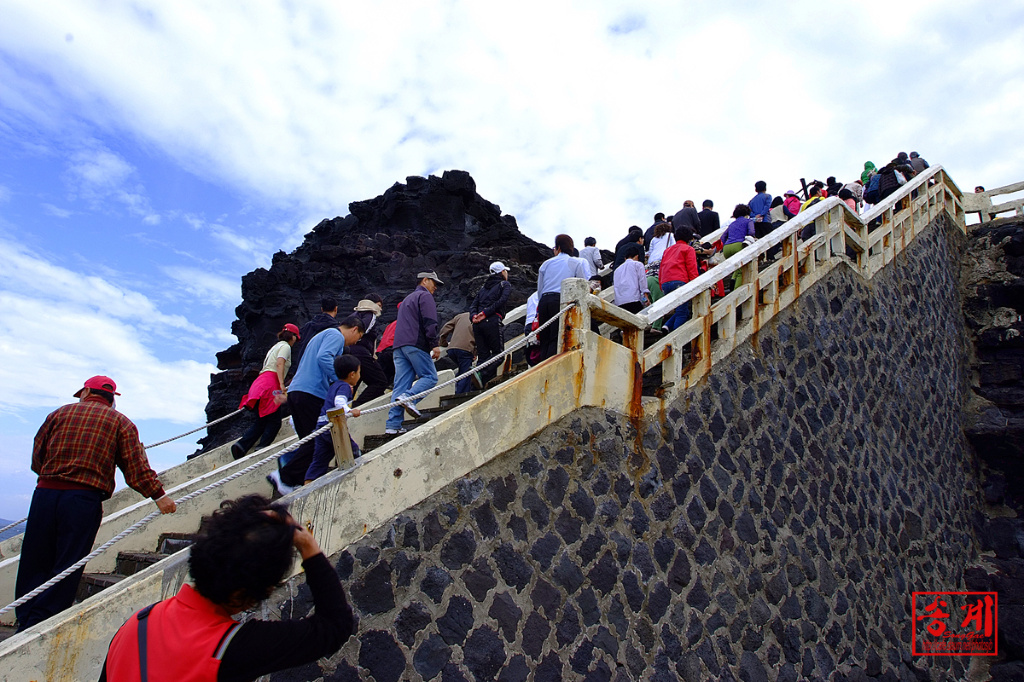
(242, 551)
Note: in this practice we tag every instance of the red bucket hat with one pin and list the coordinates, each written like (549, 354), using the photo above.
(101, 383)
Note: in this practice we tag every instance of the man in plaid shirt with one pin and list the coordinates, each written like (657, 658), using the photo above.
(75, 452)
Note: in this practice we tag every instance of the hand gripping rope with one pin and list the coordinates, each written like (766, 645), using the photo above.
(527, 338)
(143, 521)
(147, 447)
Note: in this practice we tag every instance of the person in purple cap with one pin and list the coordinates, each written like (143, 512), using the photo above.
(75, 453)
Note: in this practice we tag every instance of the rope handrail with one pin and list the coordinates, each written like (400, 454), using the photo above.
(252, 467)
(152, 515)
(388, 406)
(500, 356)
(12, 525)
(198, 428)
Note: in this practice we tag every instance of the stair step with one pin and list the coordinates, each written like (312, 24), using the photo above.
(94, 583)
(455, 400)
(174, 542)
(130, 563)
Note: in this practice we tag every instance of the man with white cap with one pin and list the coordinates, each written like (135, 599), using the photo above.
(488, 311)
(74, 454)
(416, 347)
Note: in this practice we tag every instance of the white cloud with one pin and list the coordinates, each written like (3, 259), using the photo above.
(596, 112)
(57, 212)
(207, 287)
(32, 275)
(5, 194)
(49, 356)
(99, 176)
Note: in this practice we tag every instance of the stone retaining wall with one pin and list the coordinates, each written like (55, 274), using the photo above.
(770, 526)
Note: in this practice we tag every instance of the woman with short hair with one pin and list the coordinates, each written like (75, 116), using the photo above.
(268, 393)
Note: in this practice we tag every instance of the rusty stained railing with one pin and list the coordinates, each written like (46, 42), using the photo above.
(867, 243)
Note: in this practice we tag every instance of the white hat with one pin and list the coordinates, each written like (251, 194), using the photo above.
(497, 266)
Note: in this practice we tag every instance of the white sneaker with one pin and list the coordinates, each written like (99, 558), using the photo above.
(274, 477)
(395, 432)
(410, 408)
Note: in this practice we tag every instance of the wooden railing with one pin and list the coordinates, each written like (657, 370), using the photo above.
(866, 243)
(981, 202)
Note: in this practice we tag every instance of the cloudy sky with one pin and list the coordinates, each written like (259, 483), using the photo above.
(151, 153)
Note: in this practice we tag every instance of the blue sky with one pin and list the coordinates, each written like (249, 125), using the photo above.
(152, 153)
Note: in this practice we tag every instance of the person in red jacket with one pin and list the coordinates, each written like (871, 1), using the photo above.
(244, 550)
(678, 266)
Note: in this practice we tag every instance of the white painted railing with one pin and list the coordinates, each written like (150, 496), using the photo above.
(981, 202)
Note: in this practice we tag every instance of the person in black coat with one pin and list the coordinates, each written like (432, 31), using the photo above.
(635, 236)
(487, 313)
(371, 372)
(325, 319)
(708, 218)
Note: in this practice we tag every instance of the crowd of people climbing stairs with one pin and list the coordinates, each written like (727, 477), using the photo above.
(333, 358)
(245, 548)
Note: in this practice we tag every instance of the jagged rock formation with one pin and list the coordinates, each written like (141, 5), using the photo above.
(433, 223)
(993, 280)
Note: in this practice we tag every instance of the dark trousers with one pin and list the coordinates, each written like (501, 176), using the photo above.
(61, 528)
(547, 307)
(305, 411)
(263, 429)
(371, 374)
(464, 360)
(633, 306)
(386, 360)
(488, 344)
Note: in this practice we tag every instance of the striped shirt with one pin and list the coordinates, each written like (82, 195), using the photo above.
(79, 445)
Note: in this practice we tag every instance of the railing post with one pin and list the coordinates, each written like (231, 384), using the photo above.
(576, 321)
(340, 438)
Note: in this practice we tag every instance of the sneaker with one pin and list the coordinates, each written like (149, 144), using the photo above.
(478, 380)
(410, 409)
(394, 432)
(274, 477)
(236, 451)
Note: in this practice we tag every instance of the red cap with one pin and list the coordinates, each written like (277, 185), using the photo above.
(293, 329)
(101, 383)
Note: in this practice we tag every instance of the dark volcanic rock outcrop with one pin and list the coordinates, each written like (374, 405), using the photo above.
(993, 279)
(433, 223)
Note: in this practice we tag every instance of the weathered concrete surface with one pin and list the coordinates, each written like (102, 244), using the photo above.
(769, 525)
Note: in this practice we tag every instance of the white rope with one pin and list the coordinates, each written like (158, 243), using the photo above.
(12, 525)
(252, 467)
(200, 428)
(142, 522)
(508, 351)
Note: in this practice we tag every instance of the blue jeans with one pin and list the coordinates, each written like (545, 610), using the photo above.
(414, 373)
(682, 314)
(464, 359)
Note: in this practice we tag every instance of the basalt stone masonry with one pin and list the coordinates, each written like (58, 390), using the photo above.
(769, 525)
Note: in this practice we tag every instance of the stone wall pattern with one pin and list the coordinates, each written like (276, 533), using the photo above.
(769, 526)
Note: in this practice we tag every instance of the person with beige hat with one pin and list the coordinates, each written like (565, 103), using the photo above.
(416, 347)
(371, 374)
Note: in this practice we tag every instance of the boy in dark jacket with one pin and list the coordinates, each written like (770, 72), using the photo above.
(487, 312)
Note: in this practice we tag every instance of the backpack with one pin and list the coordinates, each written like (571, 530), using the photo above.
(871, 193)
